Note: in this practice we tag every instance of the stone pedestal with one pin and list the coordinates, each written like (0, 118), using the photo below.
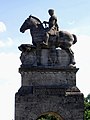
(48, 86)
(31, 106)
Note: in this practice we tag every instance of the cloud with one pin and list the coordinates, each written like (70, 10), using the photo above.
(9, 63)
(2, 44)
(9, 83)
(2, 27)
(81, 51)
(7, 43)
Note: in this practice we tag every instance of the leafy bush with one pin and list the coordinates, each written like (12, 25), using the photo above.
(87, 108)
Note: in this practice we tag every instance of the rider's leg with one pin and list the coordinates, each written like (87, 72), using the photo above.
(46, 38)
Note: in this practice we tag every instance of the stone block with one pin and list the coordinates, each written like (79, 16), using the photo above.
(31, 106)
(48, 76)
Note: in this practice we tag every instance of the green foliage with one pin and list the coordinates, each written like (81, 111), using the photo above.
(87, 108)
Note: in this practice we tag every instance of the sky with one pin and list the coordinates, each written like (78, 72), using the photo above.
(73, 16)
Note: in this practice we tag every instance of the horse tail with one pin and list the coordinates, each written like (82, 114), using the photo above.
(75, 39)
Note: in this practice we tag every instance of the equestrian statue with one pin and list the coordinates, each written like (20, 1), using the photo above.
(48, 35)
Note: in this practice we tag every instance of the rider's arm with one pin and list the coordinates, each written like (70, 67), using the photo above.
(45, 22)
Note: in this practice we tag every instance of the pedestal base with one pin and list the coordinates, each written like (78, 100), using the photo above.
(31, 106)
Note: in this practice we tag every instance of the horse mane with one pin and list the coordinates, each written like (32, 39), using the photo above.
(36, 18)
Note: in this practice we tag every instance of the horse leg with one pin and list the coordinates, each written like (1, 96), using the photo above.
(71, 55)
(72, 60)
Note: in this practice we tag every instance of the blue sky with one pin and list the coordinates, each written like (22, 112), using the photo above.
(73, 16)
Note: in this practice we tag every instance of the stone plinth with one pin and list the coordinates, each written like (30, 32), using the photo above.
(48, 76)
(48, 85)
(31, 106)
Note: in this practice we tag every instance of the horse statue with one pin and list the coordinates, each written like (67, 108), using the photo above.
(62, 39)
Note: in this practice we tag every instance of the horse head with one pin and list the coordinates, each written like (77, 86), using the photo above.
(30, 23)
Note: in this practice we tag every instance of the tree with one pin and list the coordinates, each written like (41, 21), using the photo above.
(88, 97)
(87, 107)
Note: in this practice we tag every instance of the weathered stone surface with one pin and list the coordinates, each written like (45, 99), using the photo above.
(30, 107)
(48, 76)
(48, 84)
(45, 57)
(47, 88)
